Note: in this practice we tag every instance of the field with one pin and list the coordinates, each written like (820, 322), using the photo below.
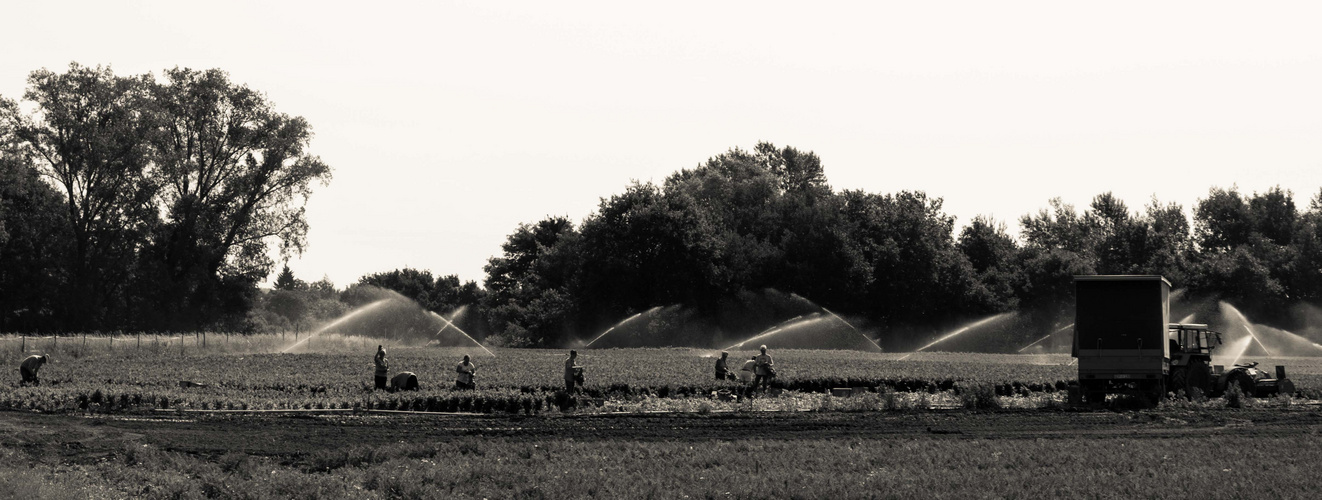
(335, 373)
(1164, 453)
(114, 422)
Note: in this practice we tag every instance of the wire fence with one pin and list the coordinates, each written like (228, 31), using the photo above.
(18, 346)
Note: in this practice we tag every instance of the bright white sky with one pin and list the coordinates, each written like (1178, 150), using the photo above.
(449, 123)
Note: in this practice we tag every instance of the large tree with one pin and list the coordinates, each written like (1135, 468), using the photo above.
(89, 135)
(235, 176)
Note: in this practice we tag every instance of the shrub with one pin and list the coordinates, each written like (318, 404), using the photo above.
(979, 396)
(1235, 396)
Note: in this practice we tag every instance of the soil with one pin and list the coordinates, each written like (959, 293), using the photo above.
(84, 439)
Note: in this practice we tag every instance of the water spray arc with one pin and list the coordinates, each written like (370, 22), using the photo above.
(777, 328)
(449, 324)
(352, 314)
(1245, 322)
(851, 327)
(963, 329)
(838, 318)
(1061, 329)
(622, 323)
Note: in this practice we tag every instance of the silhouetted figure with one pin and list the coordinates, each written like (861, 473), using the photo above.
(573, 372)
(766, 369)
(380, 367)
(722, 370)
(464, 374)
(29, 368)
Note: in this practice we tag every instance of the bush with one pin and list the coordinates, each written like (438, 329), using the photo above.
(1234, 396)
(978, 396)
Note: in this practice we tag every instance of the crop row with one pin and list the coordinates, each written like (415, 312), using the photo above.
(514, 381)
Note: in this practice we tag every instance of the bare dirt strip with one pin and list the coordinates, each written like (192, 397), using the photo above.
(81, 439)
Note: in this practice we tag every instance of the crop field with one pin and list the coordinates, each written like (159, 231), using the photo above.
(103, 424)
(1164, 453)
(335, 373)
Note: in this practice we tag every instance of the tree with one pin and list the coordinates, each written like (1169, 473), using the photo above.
(287, 281)
(527, 298)
(418, 285)
(89, 135)
(1060, 227)
(645, 248)
(1222, 221)
(234, 175)
(34, 238)
(1169, 243)
(1273, 215)
(992, 253)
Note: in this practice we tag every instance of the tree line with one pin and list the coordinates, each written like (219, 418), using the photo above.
(708, 238)
(145, 203)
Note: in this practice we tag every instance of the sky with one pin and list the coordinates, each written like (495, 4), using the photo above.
(448, 124)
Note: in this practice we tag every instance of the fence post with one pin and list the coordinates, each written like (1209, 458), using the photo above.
(204, 339)
(112, 342)
(138, 336)
(56, 342)
(24, 348)
(84, 340)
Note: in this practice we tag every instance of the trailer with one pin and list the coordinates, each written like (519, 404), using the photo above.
(1120, 330)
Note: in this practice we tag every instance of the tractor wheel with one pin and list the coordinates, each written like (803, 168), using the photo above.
(1198, 376)
(1180, 381)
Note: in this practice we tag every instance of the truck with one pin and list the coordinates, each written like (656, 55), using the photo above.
(1125, 344)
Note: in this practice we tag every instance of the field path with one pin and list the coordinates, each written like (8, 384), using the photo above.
(82, 438)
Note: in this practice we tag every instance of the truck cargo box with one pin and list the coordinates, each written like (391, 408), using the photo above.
(1120, 326)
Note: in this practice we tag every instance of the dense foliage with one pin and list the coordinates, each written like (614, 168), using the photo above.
(136, 202)
(713, 237)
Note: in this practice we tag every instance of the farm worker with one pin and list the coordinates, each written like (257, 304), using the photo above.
(723, 371)
(746, 372)
(765, 368)
(405, 381)
(465, 370)
(380, 367)
(30, 366)
(573, 372)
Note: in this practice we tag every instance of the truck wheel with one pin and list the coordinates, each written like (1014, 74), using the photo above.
(1095, 393)
(1158, 393)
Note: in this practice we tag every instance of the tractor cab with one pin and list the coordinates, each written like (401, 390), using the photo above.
(1190, 341)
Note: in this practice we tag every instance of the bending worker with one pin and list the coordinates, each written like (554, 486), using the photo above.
(380, 367)
(465, 371)
(29, 368)
(746, 371)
